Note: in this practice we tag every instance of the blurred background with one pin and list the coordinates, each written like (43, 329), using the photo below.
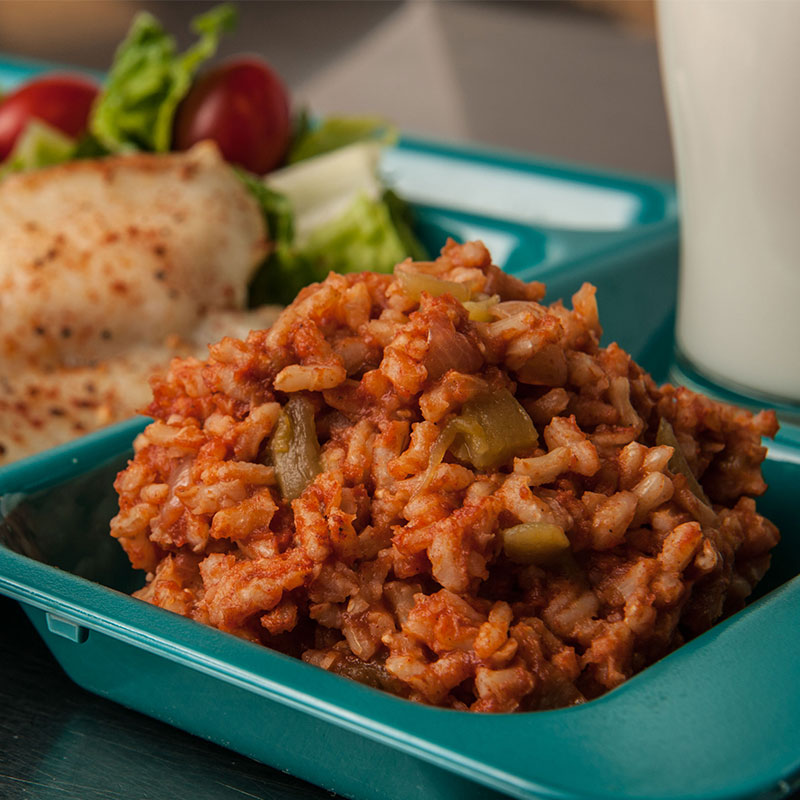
(574, 81)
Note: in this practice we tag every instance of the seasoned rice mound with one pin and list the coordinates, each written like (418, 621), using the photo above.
(434, 484)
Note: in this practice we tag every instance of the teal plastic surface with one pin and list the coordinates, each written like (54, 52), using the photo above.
(719, 718)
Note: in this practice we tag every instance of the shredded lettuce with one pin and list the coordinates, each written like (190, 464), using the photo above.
(149, 78)
(278, 280)
(39, 145)
(286, 270)
(363, 238)
(322, 188)
(309, 140)
(402, 216)
(275, 207)
(329, 213)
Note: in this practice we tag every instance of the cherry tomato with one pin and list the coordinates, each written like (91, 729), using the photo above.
(63, 101)
(244, 107)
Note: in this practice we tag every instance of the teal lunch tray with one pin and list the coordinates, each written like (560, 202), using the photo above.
(719, 718)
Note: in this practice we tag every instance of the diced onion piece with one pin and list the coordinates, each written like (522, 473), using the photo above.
(415, 283)
(480, 310)
(534, 542)
(448, 349)
(440, 446)
(678, 463)
(294, 448)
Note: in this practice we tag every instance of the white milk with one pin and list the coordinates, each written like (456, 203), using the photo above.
(731, 72)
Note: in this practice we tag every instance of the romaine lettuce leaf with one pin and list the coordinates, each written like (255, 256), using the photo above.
(148, 79)
(282, 275)
(286, 270)
(363, 238)
(402, 216)
(275, 208)
(329, 213)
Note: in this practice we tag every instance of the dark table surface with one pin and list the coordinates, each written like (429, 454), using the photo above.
(545, 78)
(58, 742)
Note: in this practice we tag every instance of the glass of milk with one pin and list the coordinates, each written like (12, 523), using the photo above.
(731, 70)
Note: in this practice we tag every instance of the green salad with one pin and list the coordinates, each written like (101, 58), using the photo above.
(316, 181)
